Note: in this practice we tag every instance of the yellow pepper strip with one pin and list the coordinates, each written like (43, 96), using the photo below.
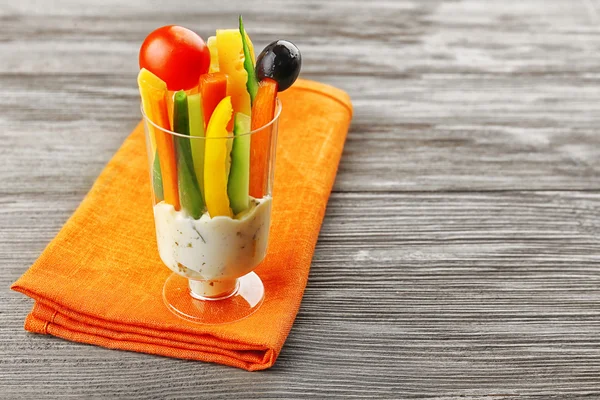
(151, 91)
(231, 62)
(211, 42)
(215, 160)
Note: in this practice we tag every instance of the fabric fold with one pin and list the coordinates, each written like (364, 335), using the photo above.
(100, 280)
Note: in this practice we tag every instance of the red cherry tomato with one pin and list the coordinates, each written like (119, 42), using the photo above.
(176, 55)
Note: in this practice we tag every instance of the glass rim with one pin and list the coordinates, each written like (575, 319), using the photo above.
(278, 108)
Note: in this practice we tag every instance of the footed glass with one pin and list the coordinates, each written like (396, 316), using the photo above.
(212, 201)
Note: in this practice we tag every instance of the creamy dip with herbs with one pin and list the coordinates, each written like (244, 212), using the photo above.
(213, 248)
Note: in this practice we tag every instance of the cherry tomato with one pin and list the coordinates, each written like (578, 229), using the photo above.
(176, 55)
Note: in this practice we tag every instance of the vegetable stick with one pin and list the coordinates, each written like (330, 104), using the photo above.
(170, 107)
(239, 176)
(170, 101)
(215, 159)
(211, 42)
(231, 62)
(196, 114)
(251, 82)
(213, 89)
(263, 112)
(154, 99)
(189, 193)
(157, 184)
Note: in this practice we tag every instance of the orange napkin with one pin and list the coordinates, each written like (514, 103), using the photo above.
(100, 280)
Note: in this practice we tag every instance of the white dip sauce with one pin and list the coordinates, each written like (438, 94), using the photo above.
(218, 248)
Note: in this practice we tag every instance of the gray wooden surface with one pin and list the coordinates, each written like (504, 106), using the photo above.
(460, 254)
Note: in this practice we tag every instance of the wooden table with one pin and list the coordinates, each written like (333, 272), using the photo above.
(460, 254)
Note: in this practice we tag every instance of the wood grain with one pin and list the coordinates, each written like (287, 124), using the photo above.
(459, 257)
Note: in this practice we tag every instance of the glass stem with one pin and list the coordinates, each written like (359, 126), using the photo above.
(213, 290)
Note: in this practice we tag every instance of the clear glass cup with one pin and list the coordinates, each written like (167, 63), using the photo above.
(212, 257)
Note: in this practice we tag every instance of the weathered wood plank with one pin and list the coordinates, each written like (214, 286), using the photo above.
(480, 293)
(482, 141)
(462, 108)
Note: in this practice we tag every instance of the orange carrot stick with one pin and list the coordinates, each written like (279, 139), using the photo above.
(213, 88)
(154, 95)
(170, 107)
(263, 112)
(166, 155)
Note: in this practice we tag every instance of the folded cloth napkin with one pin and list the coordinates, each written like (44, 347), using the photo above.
(100, 280)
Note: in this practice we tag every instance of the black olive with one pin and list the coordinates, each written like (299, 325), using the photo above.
(281, 61)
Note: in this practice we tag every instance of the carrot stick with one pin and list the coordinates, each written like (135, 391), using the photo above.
(170, 107)
(263, 112)
(213, 88)
(154, 98)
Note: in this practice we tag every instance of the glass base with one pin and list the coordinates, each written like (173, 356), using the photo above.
(242, 301)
